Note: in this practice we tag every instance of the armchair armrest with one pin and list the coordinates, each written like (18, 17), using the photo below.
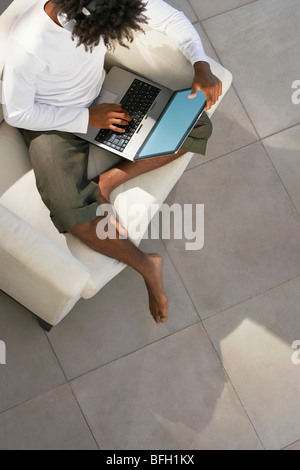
(36, 272)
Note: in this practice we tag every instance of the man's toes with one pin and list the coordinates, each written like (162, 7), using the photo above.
(155, 312)
(164, 316)
(156, 316)
(164, 319)
(164, 311)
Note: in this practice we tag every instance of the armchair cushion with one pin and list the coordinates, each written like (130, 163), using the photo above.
(15, 160)
(36, 272)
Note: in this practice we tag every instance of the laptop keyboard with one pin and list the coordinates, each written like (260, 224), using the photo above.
(137, 102)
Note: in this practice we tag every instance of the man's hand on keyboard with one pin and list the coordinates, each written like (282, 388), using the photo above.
(109, 116)
(207, 82)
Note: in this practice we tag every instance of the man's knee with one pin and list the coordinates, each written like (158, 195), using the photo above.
(85, 228)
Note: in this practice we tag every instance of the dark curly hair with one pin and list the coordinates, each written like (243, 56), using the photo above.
(114, 21)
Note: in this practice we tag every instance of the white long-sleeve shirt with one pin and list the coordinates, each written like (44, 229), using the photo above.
(49, 83)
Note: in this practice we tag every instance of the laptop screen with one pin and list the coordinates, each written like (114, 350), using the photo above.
(175, 124)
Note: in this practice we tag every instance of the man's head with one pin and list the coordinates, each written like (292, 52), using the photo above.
(113, 20)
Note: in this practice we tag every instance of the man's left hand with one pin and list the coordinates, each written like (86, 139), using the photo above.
(207, 82)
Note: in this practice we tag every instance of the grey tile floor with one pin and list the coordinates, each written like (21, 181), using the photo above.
(219, 375)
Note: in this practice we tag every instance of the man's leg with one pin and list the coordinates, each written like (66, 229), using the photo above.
(60, 162)
(68, 186)
(148, 265)
(127, 170)
(195, 143)
(123, 250)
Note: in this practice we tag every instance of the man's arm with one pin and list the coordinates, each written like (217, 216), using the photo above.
(19, 93)
(207, 82)
(175, 24)
(22, 110)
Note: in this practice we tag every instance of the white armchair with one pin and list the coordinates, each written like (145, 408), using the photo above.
(43, 270)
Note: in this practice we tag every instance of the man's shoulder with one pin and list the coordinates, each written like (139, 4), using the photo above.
(29, 30)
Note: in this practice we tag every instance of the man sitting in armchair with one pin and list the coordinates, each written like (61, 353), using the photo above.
(52, 77)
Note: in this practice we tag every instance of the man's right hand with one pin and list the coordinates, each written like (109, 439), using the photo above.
(109, 116)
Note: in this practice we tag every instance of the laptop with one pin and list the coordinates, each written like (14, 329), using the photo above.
(161, 118)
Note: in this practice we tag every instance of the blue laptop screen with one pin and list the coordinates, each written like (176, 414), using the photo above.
(175, 125)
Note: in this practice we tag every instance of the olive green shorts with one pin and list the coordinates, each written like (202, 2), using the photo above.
(60, 163)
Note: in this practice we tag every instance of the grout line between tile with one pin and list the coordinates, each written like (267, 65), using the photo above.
(243, 106)
(83, 415)
(45, 393)
(182, 281)
(259, 139)
(220, 361)
(245, 109)
(70, 388)
(227, 11)
(66, 383)
(160, 339)
(250, 298)
(289, 445)
(281, 130)
(282, 182)
(220, 61)
(235, 390)
(224, 155)
(10, 408)
(217, 355)
(130, 353)
(266, 150)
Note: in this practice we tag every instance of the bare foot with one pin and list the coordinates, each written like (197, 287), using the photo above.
(158, 301)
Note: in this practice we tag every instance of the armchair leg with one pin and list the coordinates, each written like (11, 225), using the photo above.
(43, 324)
